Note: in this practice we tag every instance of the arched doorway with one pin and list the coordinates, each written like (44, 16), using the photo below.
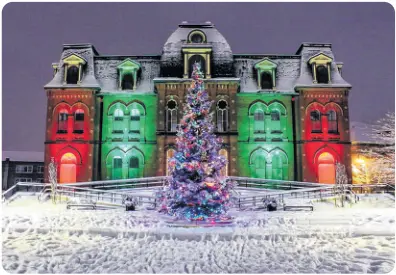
(68, 172)
(326, 168)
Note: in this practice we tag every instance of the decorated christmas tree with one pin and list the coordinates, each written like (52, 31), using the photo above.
(196, 190)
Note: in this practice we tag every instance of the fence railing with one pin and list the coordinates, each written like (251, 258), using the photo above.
(105, 196)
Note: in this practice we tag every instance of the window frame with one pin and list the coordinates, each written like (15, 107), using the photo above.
(171, 117)
(332, 122)
(319, 122)
(222, 117)
(29, 169)
(79, 123)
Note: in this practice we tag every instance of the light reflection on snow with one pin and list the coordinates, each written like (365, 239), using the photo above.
(46, 238)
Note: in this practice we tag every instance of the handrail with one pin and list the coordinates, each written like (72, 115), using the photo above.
(93, 183)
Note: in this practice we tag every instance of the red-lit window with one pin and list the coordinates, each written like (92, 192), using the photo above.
(259, 121)
(62, 122)
(316, 122)
(78, 122)
(332, 119)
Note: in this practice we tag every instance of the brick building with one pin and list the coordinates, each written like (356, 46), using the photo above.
(281, 116)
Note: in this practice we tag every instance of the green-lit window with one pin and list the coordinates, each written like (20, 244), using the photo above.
(332, 121)
(135, 121)
(277, 167)
(62, 121)
(117, 168)
(275, 121)
(259, 121)
(118, 121)
(266, 81)
(127, 82)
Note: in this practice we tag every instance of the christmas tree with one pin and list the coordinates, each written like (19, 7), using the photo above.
(196, 190)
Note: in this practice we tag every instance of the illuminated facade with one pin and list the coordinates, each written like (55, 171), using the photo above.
(280, 116)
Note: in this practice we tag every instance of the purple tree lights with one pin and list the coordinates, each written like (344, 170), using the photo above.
(196, 190)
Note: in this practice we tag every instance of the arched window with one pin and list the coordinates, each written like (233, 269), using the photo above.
(117, 168)
(118, 121)
(169, 154)
(197, 38)
(275, 122)
(134, 162)
(135, 121)
(322, 74)
(198, 59)
(224, 170)
(316, 122)
(72, 75)
(171, 116)
(222, 116)
(62, 121)
(78, 121)
(266, 81)
(332, 121)
(127, 82)
(259, 121)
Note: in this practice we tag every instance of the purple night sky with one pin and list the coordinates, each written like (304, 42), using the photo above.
(362, 35)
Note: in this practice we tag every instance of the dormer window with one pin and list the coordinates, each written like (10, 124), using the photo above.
(72, 75)
(322, 75)
(73, 65)
(266, 70)
(199, 59)
(321, 65)
(127, 82)
(128, 70)
(196, 50)
(266, 81)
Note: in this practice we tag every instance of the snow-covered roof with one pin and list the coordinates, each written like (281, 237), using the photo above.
(309, 50)
(293, 71)
(287, 72)
(27, 156)
(221, 51)
(88, 80)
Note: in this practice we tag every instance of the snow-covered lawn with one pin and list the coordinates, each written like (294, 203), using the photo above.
(45, 238)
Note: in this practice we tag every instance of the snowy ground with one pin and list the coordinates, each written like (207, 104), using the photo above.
(45, 238)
